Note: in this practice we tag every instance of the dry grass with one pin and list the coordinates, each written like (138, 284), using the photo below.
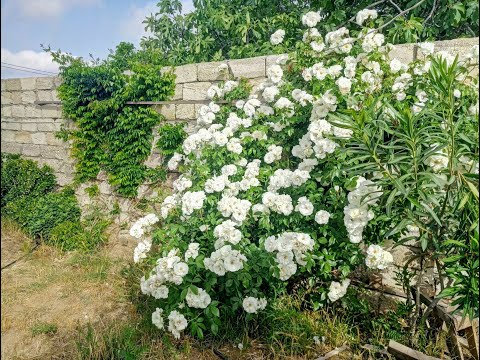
(15, 243)
(49, 287)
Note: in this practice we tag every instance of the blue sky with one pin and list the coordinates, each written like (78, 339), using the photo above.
(80, 27)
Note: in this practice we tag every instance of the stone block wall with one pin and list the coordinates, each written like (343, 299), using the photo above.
(29, 129)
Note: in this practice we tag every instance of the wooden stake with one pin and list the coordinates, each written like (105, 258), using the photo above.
(333, 352)
(472, 338)
(402, 352)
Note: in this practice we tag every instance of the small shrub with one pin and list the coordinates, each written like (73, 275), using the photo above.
(21, 178)
(28, 199)
(38, 216)
(74, 235)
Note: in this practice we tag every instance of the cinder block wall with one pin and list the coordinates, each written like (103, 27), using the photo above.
(29, 129)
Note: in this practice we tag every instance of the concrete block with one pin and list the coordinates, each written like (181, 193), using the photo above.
(53, 152)
(29, 127)
(6, 98)
(13, 85)
(102, 176)
(33, 111)
(178, 92)
(105, 188)
(209, 71)
(9, 136)
(57, 80)
(51, 112)
(39, 138)
(55, 164)
(67, 168)
(183, 73)
(44, 83)
(154, 160)
(18, 111)
(46, 127)
(31, 150)
(23, 137)
(44, 95)
(11, 147)
(55, 95)
(6, 111)
(28, 83)
(255, 83)
(271, 60)
(16, 97)
(248, 68)
(197, 109)
(52, 140)
(189, 127)
(456, 46)
(3, 85)
(404, 53)
(185, 111)
(168, 111)
(11, 125)
(64, 179)
(28, 97)
(196, 91)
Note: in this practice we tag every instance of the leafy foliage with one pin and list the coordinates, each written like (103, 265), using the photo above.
(220, 29)
(111, 135)
(28, 198)
(448, 219)
(84, 235)
(23, 178)
(38, 216)
(171, 139)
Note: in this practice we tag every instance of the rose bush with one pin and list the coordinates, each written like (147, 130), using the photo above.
(340, 149)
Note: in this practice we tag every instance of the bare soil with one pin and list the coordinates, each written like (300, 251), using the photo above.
(46, 287)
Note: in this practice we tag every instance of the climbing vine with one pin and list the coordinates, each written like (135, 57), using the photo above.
(111, 135)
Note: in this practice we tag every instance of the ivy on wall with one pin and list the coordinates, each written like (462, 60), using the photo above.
(111, 135)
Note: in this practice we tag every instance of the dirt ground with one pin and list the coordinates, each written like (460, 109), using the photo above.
(47, 288)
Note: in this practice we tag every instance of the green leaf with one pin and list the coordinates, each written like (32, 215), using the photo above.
(473, 189)
(424, 243)
(453, 258)
(215, 311)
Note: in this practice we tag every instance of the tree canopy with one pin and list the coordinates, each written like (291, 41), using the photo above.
(223, 29)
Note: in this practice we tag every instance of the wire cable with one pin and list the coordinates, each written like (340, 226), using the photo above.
(29, 71)
(28, 68)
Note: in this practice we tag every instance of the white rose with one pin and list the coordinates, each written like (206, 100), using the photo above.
(277, 37)
(322, 217)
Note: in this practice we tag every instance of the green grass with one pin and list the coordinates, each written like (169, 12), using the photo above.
(44, 328)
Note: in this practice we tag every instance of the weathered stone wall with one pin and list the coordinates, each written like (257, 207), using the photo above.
(30, 129)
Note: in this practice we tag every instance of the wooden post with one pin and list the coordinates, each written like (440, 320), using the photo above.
(472, 338)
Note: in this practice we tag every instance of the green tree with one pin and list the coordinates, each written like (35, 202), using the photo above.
(222, 29)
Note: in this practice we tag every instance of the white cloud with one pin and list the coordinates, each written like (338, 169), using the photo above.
(45, 8)
(133, 28)
(26, 58)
